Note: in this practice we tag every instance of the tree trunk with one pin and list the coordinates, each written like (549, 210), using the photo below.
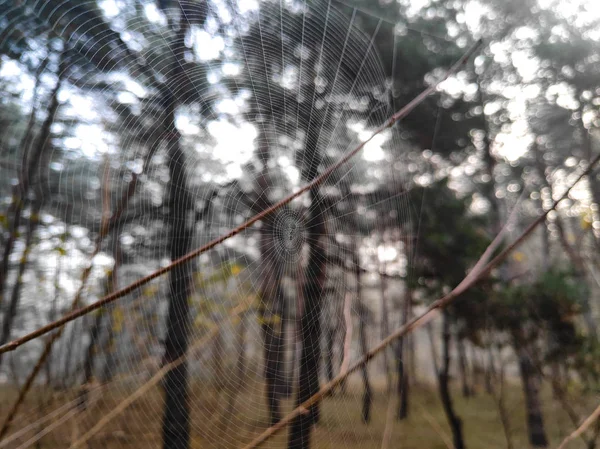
(443, 379)
(109, 348)
(68, 360)
(236, 382)
(96, 330)
(462, 363)
(531, 389)
(499, 398)
(362, 335)
(403, 386)
(29, 164)
(310, 326)
(15, 298)
(271, 312)
(490, 371)
(32, 163)
(330, 335)
(176, 424)
(176, 420)
(367, 392)
(385, 328)
(593, 181)
(580, 272)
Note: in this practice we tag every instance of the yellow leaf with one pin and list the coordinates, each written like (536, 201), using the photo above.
(118, 319)
(202, 322)
(519, 256)
(586, 222)
(150, 290)
(272, 320)
(236, 269)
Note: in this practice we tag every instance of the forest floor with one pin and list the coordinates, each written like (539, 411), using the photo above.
(340, 427)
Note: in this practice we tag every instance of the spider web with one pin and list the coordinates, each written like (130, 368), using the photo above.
(302, 76)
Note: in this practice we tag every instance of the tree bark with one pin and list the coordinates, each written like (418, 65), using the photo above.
(362, 335)
(32, 163)
(403, 378)
(580, 272)
(176, 420)
(15, 298)
(272, 308)
(462, 363)
(330, 335)
(531, 389)
(237, 381)
(29, 164)
(96, 330)
(310, 326)
(490, 371)
(385, 328)
(499, 398)
(443, 379)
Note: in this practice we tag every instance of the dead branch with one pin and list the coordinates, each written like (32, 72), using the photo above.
(582, 428)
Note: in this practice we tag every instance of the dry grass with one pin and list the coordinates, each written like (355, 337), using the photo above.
(340, 427)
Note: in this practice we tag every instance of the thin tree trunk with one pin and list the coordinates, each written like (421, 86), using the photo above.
(310, 326)
(297, 348)
(330, 335)
(367, 391)
(593, 181)
(88, 364)
(237, 381)
(110, 347)
(499, 397)
(490, 370)
(412, 360)
(444, 385)
(110, 286)
(271, 312)
(108, 370)
(462, 363)
(403, 378)
(434, 351)
(29, 165)
(478, 369)
(385, 328)
(11, 313)
(68, 362)
(531, 389)
(346, 342)
(362, 335)
(176, 419)
(580, 272)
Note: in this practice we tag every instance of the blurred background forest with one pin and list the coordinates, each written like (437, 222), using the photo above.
(135, 131)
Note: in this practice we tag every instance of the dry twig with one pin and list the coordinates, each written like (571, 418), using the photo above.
(582, 428)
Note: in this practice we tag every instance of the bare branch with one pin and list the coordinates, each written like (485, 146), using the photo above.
(582, 428)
